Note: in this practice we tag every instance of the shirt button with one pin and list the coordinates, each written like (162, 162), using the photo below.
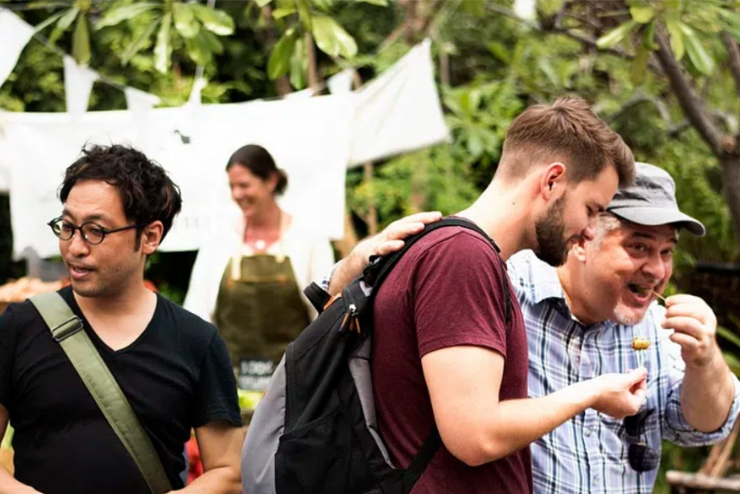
(588, 433)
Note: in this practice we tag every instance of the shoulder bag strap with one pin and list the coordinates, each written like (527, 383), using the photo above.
(67, 330)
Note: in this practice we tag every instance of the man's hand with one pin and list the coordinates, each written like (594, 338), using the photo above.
(391, 239)
(695, 327)
(388, 241)
(619, 395)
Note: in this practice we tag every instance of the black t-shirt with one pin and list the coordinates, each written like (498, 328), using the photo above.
(177, 375)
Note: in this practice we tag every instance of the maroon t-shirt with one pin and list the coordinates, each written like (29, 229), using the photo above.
(446, 291)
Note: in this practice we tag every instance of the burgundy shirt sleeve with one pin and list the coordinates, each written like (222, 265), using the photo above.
(458, 295)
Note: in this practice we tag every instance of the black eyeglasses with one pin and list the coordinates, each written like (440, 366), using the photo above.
(91, 232)
(641, 456)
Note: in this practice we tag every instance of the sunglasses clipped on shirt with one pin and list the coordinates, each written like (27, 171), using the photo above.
(642, 458)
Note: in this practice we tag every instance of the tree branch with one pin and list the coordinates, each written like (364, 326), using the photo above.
(690, 103)
(583, 39)
(733, 59)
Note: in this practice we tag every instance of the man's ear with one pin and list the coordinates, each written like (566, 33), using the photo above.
(578, 250)
(151, 237)
(553, 181)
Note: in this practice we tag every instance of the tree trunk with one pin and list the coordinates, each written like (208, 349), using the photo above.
(282, 84)
(730, 167)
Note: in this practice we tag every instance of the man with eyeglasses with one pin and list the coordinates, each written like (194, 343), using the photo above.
(586, 318)
(172, 366)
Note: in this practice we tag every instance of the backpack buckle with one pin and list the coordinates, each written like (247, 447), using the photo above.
(68, 328)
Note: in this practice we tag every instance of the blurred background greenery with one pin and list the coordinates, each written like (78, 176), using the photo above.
(664, 74)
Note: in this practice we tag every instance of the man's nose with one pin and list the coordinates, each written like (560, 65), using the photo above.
(589, 233)
(655, 266)
(77, 245)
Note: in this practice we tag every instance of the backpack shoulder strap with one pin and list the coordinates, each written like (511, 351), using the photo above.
(67, 330)
(378, 269)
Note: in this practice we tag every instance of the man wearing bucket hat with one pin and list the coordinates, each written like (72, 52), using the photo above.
(598, 314)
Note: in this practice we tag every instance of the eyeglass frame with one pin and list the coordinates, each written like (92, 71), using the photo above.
(74, 227)
(639, 450)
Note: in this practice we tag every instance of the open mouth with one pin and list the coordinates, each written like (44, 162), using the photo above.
(641, 291)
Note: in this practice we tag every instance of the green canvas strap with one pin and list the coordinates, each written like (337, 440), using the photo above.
(67, 330)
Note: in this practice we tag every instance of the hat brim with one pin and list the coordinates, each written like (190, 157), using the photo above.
(652, 216)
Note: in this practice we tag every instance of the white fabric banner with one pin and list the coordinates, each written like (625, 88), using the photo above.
(399, 111)
(15, 34)
(78, 83)
(342, 82)
(139, 100)
(308, 138)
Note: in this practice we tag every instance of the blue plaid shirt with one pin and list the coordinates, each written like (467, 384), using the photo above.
(588, 454)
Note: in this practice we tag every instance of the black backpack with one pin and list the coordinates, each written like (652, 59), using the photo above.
(315, 429)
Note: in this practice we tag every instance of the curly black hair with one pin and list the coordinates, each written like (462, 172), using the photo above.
(147, 192)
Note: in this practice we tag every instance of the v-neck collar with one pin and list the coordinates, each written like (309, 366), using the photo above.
(99, 341)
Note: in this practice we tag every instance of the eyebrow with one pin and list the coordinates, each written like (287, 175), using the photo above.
(649, 236)
(92, 217)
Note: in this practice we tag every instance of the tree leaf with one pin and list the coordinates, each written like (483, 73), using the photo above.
(305, 14)
(198, 50)
(642, 13)
(676, 38)
(639, 65)
(332, 39)
(613, 37)
(125, 12)
(262, 3)
(211, 42)
(184, 18)
(81, 41)
(64, 22)
(700, 58)
(728, 335)
(324, 5)
(380, 3)
(279, 62)
(216, 21)
(138, 44)
(163, 48)
(280, 13)
(47, 22)
(299, 65)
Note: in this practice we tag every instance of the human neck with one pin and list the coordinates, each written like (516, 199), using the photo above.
(267, 218)
(127, 301)
(502, 211)
(570, 283)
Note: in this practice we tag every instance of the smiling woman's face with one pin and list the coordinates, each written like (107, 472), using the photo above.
(249, 191)
(625, 267)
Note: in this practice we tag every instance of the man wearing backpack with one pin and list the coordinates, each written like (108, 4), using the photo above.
(448, 354)
(171, 366)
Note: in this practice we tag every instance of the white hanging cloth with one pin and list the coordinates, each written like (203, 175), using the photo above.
(78, 83)
(139, 101)
(15, 34)
(342, 82)
(399, 111)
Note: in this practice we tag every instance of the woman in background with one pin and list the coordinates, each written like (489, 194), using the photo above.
(250, 282)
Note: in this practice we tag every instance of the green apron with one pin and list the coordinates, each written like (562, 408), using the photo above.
(259, 309)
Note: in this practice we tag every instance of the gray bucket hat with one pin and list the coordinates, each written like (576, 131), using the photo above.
(651, 201)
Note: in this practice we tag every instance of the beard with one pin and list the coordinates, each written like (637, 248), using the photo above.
(552, 246)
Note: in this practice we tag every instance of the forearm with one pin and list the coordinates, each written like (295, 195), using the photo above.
(223, 480)
(707, 393)
(8, 485)
(348, 269)
(514, 424)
